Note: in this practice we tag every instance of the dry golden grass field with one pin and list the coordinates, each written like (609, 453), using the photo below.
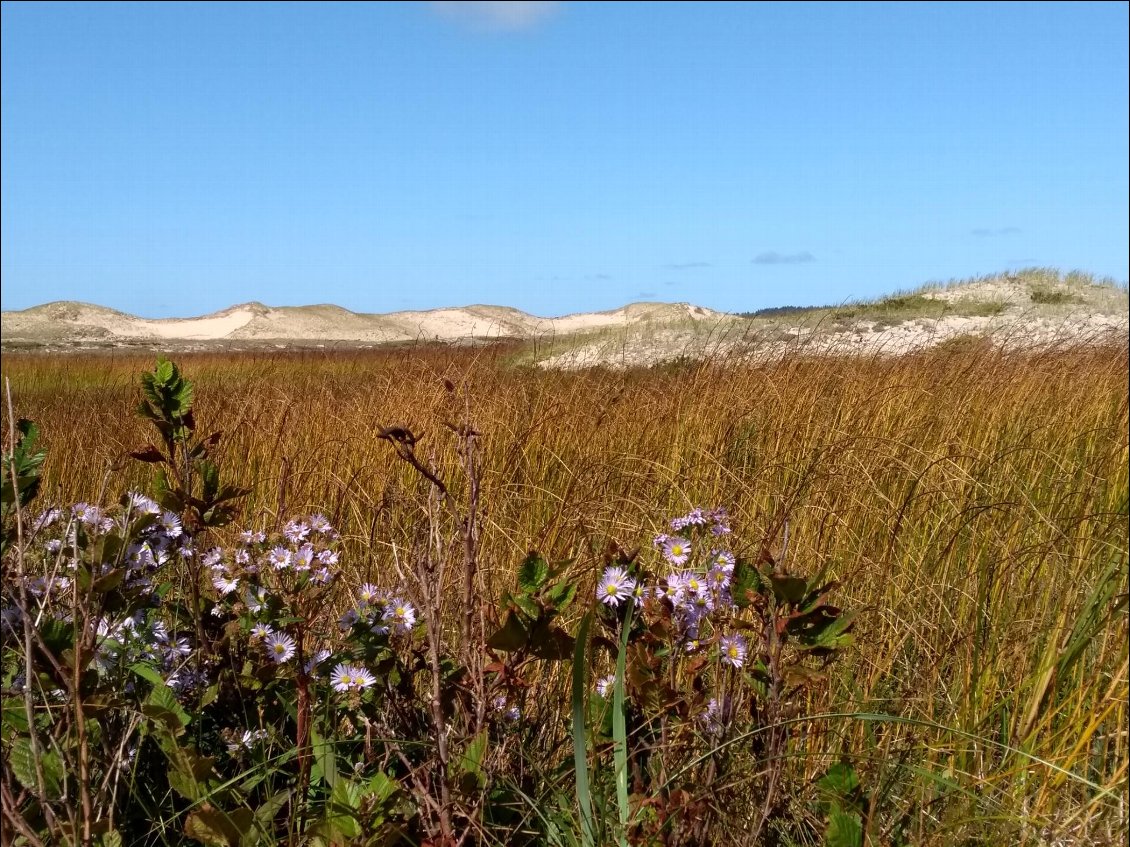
(973, 504)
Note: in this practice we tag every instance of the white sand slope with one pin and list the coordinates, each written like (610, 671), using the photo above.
(199, 328)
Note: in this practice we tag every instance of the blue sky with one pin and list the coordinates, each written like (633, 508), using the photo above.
(173, 159)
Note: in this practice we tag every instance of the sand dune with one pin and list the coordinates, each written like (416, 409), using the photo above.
(1040, 308)
(76, 323)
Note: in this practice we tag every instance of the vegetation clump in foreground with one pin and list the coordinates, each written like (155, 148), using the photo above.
(168, 679)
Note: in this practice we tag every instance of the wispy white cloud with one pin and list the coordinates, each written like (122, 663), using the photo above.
(774, 258)
(686, 266)
(497, 15)
(995, 233)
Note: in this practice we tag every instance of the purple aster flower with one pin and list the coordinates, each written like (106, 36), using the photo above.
(315, 660)
(303, 556)
(501, 705)
(280, 647)
(212, 558)
(247, 740)
(140, 504)
(45, 519)
(279, 558)
(362, 678)
(175, 648)
(140, 556)
(605, 684)
(676, 550)
(693, 518)
(691, 582)
(87, 513)
(351, 677)
(722, 559)
(670, 589)
(346, 621)
(341, 678)
(615, 586)
(701, 603)
(171, 524)
(327, 557)
(401, 614)
(261, 631)
(733, 649)
(295, 531)
(718, 578)
(717, 716)
(224, 585)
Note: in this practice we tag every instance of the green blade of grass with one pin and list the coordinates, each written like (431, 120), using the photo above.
(619, 728)
(580, 740)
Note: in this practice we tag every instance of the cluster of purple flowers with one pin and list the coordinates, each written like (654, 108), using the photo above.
(305, 552)
(351, 678)
(505, 709)
(381, 611)
(261, 572)
(152, 539)
(256, 573)
(697, 585)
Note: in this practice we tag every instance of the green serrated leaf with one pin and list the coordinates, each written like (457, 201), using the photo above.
(161, 705)
(512, 635)
(551, 642)
(217, 828)
(380, 786)
(840, 780)
(788, 589)
(845, 829)
(532, 573)
(109, 581)
(745, 583)
(13, 717)
(561, 594)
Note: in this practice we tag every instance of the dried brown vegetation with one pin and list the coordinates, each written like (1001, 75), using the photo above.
(973, 501)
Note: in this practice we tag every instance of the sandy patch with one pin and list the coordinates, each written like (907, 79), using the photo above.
(193, 329)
